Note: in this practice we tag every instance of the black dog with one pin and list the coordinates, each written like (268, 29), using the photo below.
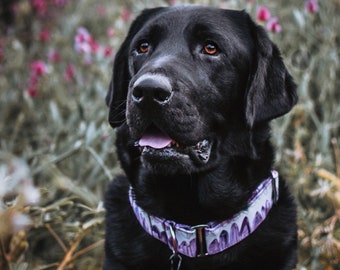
(192, 94)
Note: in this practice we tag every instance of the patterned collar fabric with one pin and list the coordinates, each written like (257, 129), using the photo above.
(213, 237)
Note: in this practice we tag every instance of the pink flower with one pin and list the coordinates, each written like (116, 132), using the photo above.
(273, 25)
(82, 35)
(311, 6)
(38, 68)
(40, 6)
(83, 48)
(263, 14)
(44, 35)
(84, 42)
(70, 72)
(94, 45)
(111, 32)
(108, 51)
(32, 92)
(54, 56)
(125, 14)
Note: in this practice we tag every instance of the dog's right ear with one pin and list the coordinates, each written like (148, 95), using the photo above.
(116, 96)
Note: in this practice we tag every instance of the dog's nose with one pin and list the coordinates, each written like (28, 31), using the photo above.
(152, 89)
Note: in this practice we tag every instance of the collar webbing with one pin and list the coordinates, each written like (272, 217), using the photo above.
(213, 237)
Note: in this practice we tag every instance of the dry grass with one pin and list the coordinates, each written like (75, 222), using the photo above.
(57, 152)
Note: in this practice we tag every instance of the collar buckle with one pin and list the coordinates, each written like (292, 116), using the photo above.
(201, 243)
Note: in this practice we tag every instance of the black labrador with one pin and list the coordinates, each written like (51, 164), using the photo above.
(192, 94)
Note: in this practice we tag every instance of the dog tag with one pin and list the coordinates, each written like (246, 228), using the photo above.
(175, 260)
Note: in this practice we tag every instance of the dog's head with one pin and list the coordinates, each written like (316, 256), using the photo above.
(192, 84)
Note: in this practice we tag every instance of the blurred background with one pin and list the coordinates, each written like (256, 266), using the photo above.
(57, 150)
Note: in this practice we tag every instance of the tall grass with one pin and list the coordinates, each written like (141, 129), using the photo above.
(57, 150)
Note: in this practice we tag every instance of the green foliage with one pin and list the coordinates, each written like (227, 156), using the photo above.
(57, 149)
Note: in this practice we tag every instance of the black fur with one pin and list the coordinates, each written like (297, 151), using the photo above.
(227, 99)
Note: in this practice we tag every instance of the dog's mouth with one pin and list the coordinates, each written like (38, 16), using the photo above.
(158, 146)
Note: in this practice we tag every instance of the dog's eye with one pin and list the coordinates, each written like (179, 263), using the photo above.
(210, 49)
(143, 47)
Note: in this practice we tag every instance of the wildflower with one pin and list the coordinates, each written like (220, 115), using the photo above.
(32, 92)
(38, 68)
(107, 51)
(311, 6)
(40, 6)
(94, 45)
(111, 32)
(85, 44)
(125, 14)
(44, 35)
(83, 36)
(82, 41)
(53, 56)
(263, 14)
(70, 72)
(83, 48)
(273, 25)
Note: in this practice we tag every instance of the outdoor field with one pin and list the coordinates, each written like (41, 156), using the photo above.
(57, 150)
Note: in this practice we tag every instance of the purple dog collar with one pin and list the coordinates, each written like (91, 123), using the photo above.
(213, 237)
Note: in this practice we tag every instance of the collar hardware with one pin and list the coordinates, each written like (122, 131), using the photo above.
(201, 244)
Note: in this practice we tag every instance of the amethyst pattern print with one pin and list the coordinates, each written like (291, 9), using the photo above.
(218, 236)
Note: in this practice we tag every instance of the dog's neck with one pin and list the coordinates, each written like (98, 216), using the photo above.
(194, 199)
(214, 194)
(213, 237)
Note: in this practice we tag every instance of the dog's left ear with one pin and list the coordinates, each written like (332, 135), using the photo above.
(271, 90)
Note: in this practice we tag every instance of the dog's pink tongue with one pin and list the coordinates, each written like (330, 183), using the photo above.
(156, 140)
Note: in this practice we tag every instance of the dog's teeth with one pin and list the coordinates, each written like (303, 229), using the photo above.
(174, 144)
(198, 146)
